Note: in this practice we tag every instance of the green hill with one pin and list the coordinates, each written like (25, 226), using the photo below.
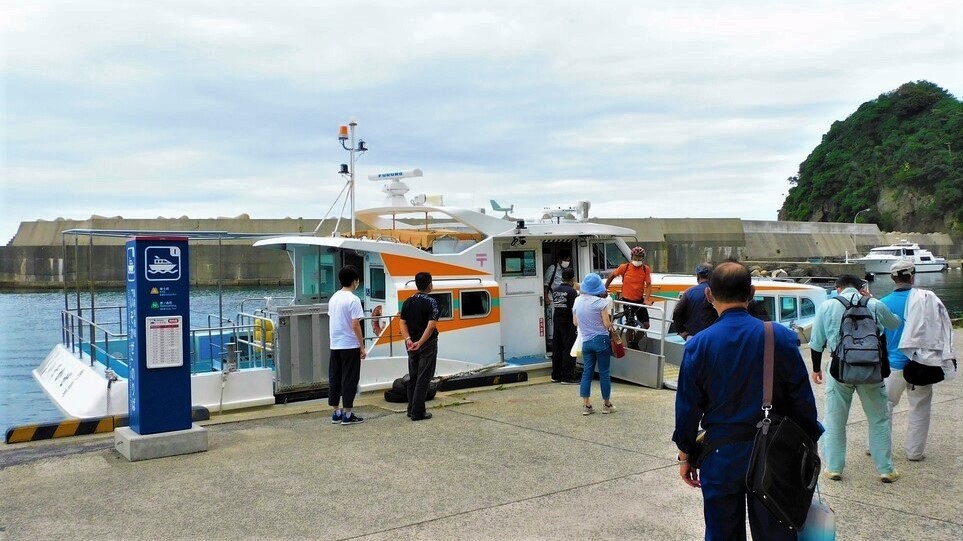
(900, 155)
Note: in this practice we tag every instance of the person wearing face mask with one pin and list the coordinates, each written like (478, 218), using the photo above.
(347, 347)
(636, 288)
(553, 279)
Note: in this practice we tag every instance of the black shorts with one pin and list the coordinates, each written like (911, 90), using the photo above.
(633, 313)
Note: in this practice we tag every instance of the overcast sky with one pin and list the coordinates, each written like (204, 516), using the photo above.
(665, 109)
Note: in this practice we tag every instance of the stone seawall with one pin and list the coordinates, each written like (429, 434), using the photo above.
(35, 257)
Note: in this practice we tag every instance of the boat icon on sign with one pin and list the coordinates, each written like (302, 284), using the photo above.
(163, 263)
(161, 266)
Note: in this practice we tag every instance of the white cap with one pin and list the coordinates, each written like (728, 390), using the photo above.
(902, 267)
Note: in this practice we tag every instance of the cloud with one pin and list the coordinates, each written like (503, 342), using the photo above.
(218, 108)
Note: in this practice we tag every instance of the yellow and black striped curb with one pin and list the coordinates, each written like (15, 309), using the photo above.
(81, 427)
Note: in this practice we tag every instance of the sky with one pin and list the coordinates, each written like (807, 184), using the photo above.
(220, 108)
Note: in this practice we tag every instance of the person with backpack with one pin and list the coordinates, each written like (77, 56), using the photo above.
(925, 319)
(636, 288)
(849, 326)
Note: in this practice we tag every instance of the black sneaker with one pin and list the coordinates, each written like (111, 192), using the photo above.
(424, 417)
(352, 419)
(571, 381)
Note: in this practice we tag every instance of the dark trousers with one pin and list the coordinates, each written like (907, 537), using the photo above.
(723, 476)
(344, 371)
(563, 338)
(421, 368)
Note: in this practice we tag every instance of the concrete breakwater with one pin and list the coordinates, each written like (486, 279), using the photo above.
(38, 256)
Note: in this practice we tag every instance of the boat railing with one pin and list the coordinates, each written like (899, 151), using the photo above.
(74, 322)
(385, 324)
(260, 341)
(106, 341)
(657, 313)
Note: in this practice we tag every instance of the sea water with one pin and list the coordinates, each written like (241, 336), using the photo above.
(30, 327)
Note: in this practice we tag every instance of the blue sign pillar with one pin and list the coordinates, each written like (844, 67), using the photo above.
(158, 334)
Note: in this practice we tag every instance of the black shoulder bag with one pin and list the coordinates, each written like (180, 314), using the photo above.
(784, 465)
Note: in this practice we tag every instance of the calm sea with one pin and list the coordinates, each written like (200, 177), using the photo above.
(29, 328)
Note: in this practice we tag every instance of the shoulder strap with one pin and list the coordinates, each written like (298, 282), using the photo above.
(844, 302)
(554, 272)
(767, 368)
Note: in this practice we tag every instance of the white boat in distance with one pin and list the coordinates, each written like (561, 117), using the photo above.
(881, 259)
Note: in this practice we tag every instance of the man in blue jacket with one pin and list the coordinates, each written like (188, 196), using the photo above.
(720, 385)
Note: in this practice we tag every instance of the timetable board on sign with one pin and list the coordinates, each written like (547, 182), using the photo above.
(164, 341)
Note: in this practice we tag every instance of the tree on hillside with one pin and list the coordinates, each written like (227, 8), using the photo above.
(899, 155)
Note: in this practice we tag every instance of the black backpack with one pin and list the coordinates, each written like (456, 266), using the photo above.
(860, 356)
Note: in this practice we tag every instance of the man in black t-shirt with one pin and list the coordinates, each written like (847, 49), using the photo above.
(419, 317)
(564, 330)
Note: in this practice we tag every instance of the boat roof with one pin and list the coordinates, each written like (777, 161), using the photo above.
(491, 226)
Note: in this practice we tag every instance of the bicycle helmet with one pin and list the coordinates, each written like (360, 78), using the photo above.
(638, 251)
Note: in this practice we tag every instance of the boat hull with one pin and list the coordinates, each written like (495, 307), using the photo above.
(883, 266)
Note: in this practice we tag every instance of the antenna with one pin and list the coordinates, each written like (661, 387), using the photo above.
(394, 188)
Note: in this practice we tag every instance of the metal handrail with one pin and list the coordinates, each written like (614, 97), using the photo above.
(660, 315)
(74, 325)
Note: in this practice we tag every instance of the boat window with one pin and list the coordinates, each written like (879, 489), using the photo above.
(444, 304)
(317, 277)
(787, 308)
(475, 304)
(807, 308)
(769, 303)
(606, 256)
(519, 263)
(376, 281)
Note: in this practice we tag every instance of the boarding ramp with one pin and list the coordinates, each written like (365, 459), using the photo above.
(645, 366)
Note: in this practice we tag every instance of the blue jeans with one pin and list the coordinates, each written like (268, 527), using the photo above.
(596, 352)
(839, 398)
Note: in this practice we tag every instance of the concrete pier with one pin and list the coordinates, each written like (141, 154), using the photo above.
(503, 463)
(37, 257)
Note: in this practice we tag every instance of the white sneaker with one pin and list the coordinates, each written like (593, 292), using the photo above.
(608, 408)
(587, 410)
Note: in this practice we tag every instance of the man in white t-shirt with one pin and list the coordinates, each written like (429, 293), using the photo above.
(347, 347)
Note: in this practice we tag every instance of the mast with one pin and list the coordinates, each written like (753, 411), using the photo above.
(345, 133)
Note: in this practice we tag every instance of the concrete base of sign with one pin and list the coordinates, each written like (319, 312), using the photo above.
(136, 447)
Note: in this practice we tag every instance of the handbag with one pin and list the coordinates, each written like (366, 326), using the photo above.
(820, 522)
(577, 346)
(618, 347)
(784, 464)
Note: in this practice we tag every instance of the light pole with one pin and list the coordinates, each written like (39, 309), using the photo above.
(860, 212)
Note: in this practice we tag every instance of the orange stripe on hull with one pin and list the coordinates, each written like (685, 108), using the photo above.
(399, 265)
(456, 323)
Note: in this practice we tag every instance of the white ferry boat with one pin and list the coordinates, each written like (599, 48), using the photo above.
(488, 275)
(879, 260)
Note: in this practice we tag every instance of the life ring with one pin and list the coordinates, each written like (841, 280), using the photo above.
(263, 328)
(376, 322)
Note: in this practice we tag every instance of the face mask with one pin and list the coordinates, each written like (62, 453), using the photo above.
(564, 264)
(636, 263)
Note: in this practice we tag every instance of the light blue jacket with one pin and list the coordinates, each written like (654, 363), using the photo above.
(829, 318)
